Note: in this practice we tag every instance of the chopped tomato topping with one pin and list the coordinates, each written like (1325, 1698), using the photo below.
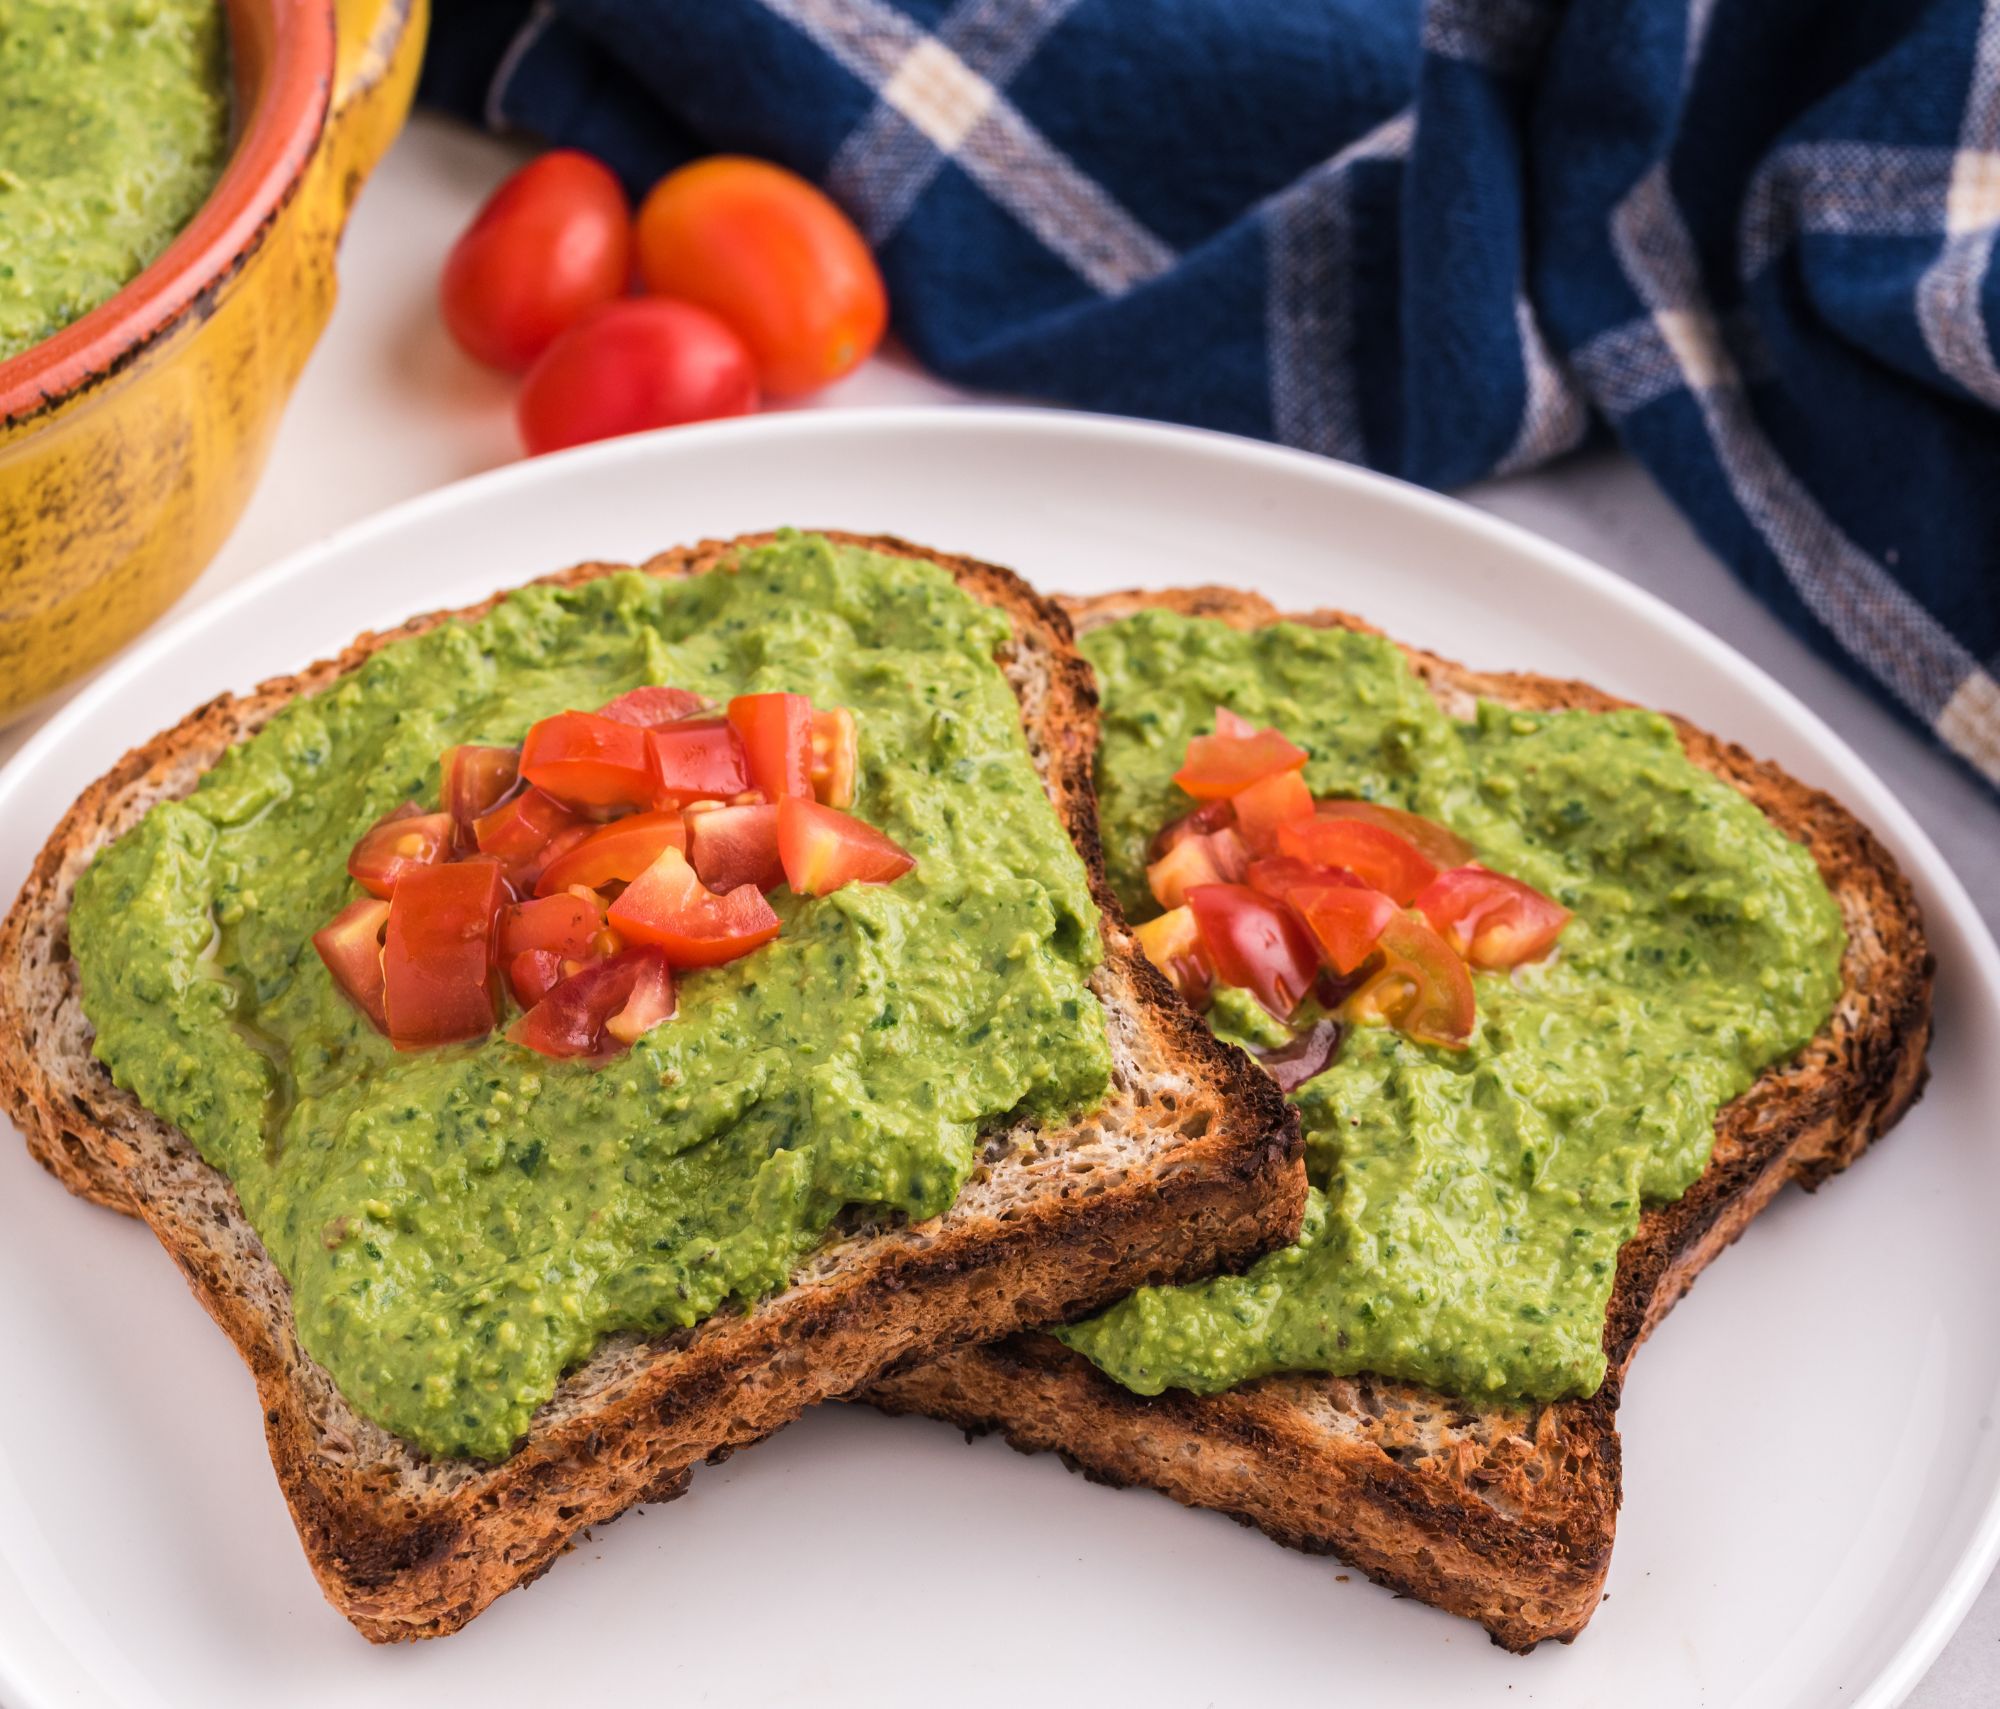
(475, 781)
(1443, 846)
(532, 974)
(1424, 988)
(1256, 943)
(1380, 859)
(836, 756)
(520, 832)
(777, 735)
(351, 946)
(668, 906)
(1345, 920)
(589, 762)
(1172, 943)
(1217, 858)
(398, 844)
(437, 953)
(728, 846)
(1209, 816)
(647, 707)
(599, 1009)
(1490, 919)
(1224, 765)
(1269, 803)
(698, 759)
(823, 848)
(613, 854)
(564, 923)
(1228, 723)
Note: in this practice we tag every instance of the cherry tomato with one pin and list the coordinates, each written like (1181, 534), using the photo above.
(668, 906)
(585, 761)
(824, 848)
(1172, 943)
(650, 706)
(772, 255)
(1256, 943)
(565, 924)
(522, 833)
(1218, 858)
(1224, 765)
(1443, 845)
(475, 781)
(1209, 816)
(1268, 803)
(1490, 919)
(836, 756)
(552, 242)
(396, 845)
(599, 1009)
(532, 974)
(728, 846)
(629, 366)
(351, 946)
(437, 953)
(1345, 919)
(613, 854)
(1380, 858)
(777, 735)
(1424, 989)
(697, 759)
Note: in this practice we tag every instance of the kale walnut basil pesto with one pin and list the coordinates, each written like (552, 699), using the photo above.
(114, 124)
(460, 1226)
(1467, 1207)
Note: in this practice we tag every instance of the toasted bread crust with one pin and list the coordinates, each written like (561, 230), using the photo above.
(1204, 1171)
(1505, 1515)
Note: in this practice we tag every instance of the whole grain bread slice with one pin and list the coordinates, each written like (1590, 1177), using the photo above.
(1193, 1163)
(1503, 1514)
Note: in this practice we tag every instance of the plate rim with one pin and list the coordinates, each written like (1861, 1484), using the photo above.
(1884, 812)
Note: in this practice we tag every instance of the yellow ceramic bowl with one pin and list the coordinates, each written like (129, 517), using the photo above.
(130, 441)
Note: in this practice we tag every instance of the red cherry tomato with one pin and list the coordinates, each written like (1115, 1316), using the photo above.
(650, 706)
(532, 974)
(669, 907)
(774, 257)
(588, 762)
(600, 1009)
(522, 834)
(1172, 943)
(697, 759)
(475, 781)
(1268, 803)
(351, 946)
(1381, 859)
(551, 243)
(1490, 919)
(728, 846)
(1346, 919)
(1256, 943)
(565, 924)
(824, 848)
(613, 854)
(1224, 765)
(1444, 846)
(1424, 989)
(777, 735)
(396, 845)
(1209, 816)
(437, 953)
(628, 366)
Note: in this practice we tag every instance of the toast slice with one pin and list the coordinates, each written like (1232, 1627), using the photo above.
(1193, 1163)
(1503, 1514)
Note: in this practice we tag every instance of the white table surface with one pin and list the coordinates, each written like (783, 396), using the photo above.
(388, 408)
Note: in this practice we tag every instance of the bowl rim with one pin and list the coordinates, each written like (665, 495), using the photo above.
(281, 66)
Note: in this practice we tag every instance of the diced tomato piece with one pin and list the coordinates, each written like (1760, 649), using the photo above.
(648, 707)
(1380, 859)
(777, 734)
(1345, 919)
(823, 848)
(1256, 943)
(564, 923)
(532, 974)
(836, 755)
(521, 833)
(697, 759)
(475, 781)
(398, 844)
(1277, 876)
(728, 846)
(1217, 858)
(600, 1009)
(438, 984)
(589, 762)
(351, 946)
(1424, 988)
(1268, 803)
(667, 905)
(1233, 758)
(1172, 943)
(613, 854)
(1490, 919)
(1443, 846)
(1209, 817)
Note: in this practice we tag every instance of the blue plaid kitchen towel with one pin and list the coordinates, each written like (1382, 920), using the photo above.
(1751, 239)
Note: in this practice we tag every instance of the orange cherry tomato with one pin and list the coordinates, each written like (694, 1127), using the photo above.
(836, 756)
(1256, 943)
(553, 241)
(587, 762)
(823, 848)
(728, 846)
(1444, 846)
(1379, 858)
(1490, 919)
(351, 946)
(1218, 858)
(397, 845)
(777, 735)
(629, 366)
(438, 984)
(1424, 988)
(669, 907)
(613, 854)
(1268, 803)
(1224, 765)
(773, 256)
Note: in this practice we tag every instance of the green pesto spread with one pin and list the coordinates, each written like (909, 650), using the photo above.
(460, 1226)
(1467, 1207)
(114, 124)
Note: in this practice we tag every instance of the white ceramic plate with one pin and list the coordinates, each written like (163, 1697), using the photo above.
(1811, 1464)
